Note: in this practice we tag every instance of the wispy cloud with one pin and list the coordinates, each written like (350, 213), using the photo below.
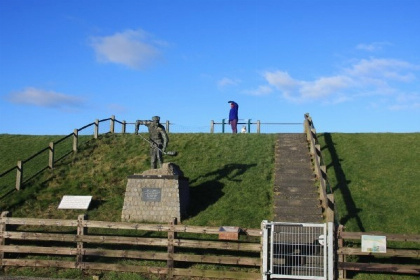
(225, 82)
(136, 49)
(372, 47)
(44, 98)
(261, 90)
(366, 77)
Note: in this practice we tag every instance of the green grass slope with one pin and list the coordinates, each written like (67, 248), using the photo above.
(230, 178)
(375, 179)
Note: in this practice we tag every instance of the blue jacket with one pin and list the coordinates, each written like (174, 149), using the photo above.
(233, 113)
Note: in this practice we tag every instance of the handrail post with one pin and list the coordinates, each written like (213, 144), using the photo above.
(51, 157)
(111, 129)
(249, 125)
(258, 127)
(75, 139)
(223, 126)
(167, 126)
(19, 174)
(96, 132)
(212, 126)
(124, 123)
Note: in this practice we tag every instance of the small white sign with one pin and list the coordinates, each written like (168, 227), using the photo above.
(373, 244)
(75, 202)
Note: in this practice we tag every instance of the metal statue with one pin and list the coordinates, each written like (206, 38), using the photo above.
(158, 140)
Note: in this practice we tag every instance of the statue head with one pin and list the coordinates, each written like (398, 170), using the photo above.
(156, 119)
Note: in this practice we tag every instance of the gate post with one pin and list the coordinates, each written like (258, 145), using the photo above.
(330, 252)
(265, 250)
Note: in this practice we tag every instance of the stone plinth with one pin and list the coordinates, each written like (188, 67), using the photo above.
(156, 195)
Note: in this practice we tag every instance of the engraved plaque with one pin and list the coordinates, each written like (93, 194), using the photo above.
(151, 194)
(75, 202)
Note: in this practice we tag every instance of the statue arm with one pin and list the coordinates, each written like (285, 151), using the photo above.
(165, 138)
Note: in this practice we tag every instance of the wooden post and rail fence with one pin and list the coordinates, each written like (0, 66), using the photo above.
(402, 254)
(57, 150)
(325, 193)
(248, 123)
(176, 250)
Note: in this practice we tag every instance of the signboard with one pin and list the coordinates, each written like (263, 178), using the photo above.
(75, 202)
(373, 244)
(151, 194)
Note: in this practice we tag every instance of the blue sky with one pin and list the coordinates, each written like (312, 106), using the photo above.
(353, 65)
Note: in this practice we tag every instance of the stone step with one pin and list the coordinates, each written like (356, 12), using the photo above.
(296, 197)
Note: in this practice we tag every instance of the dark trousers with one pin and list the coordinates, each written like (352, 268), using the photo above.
(234, 125)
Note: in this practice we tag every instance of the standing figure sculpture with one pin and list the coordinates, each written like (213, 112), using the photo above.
(158, 140)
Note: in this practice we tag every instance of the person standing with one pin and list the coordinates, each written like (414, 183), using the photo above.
(233, 116)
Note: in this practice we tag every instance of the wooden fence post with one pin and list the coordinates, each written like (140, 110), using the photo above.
(80, 232)
(258, 127)
(123, 127)
(2, 229)
(75, 139)
(341, 258)
(111, 129)
(171, 247)
(167, 126)
(211, 126)
(19, 174)
(51, 157)
(96, 132)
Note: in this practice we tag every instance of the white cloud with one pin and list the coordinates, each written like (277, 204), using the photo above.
(43, 98)
(408, 101)
(261, 90)
(372, 47)
(366, 77)
(224, 82)
(133, 48)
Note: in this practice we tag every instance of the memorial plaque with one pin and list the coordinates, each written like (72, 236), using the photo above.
(75, 202)
(151, 194)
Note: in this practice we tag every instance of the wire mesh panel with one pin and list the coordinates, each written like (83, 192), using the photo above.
(298, 251)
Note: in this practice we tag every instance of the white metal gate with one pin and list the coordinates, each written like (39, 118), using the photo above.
(297, 250)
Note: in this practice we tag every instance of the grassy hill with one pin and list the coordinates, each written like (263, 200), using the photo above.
(375, 178)
(230, 177)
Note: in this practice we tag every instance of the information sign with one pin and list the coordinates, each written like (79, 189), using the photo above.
(75, 202)
(373, 244)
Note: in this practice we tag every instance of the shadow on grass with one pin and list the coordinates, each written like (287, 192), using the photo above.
(210, 191)
(342, 184)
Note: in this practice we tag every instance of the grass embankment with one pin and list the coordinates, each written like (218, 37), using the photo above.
(230, 178)
(375, 179)
(376, 184)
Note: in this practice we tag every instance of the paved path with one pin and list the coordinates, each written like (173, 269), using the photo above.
(296, 197)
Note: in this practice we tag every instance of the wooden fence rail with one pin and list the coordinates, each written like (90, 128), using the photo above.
(349, 244)
(93, 245)
(320, 170)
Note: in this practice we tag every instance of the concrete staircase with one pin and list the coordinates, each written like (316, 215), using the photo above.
(296, 197)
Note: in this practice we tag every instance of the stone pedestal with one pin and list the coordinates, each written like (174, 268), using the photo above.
(156, 195)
